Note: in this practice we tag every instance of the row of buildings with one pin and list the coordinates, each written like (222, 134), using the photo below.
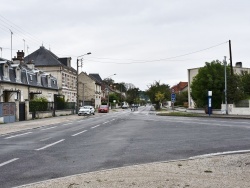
(42, 73)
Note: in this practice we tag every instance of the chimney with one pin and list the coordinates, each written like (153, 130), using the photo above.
(238, 64)
(20, 55)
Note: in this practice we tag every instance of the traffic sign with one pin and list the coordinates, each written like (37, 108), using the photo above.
(173, 95)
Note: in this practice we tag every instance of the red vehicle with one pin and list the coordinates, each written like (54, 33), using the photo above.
(103, 108)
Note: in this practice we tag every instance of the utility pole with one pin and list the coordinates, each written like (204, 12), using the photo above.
(77, 87)
(225, 66)
(11, 33)
(24, 46)
(231, 61)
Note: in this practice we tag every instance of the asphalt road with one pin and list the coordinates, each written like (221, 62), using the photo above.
(114, 140)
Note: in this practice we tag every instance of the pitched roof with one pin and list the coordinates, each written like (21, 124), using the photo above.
(180, 86)
(43, 58)
(96, 77)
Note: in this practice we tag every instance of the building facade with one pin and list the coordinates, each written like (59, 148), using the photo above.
(20, 81)
(89, 90)
(60, 68)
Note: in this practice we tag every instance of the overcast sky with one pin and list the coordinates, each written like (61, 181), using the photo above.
(141, 41)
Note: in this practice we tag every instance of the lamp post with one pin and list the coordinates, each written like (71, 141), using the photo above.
(77, 92)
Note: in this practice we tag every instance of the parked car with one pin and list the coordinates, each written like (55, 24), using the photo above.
(86, 110)
(103, 108)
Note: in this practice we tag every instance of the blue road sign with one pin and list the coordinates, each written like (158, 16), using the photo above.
(173, 96)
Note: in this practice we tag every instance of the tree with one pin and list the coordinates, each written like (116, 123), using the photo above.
(181, 98)
(246, 84)
(133, 96)
(209, 78)
(235, 89)
(157, 93)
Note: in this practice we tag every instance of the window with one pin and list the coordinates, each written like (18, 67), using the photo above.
(31, 78)
(38, 78)
(18, 74)
(6, 72)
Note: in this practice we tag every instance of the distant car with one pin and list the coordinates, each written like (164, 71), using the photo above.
(125, 105)
(86, 110)
(103, 108)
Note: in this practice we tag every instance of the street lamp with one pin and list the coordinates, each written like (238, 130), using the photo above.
(77, 92)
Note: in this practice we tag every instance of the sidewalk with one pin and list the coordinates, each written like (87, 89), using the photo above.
(228, 171)
(36, 123)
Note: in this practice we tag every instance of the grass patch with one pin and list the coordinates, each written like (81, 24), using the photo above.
(178, 114)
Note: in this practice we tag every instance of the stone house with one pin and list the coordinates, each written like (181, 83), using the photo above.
(20, 81)
(60, 68)
(89, 90)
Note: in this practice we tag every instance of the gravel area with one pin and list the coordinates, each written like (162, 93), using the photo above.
(229, 171)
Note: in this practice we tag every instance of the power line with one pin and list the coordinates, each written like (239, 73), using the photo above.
(163, 59)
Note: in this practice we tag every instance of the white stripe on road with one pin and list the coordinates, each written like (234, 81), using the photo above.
(79, 133)
(45, 139)
(67, 124)
(49, 128)
(50, 145)
(219, 153)
(17, 135)
(95, 126)
(105, 122)
(7, 162)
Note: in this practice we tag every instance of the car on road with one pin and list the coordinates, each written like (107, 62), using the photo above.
(103, 108)
(86, 110)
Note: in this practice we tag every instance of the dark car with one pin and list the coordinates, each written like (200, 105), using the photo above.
(103, 108)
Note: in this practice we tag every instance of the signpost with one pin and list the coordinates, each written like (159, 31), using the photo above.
(209, 102)
(173, 98)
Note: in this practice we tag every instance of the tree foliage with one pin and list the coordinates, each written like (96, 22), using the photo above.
(211, 77)
(158, 93)
(133, 96)
(181, 98)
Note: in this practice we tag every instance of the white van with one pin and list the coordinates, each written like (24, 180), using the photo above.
(125, 105)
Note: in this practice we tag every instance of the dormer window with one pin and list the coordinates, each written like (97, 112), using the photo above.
(38, 76)
(49, 81)
(6, 72)
(31, 78)
(18, 75)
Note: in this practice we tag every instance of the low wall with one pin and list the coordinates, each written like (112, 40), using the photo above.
(196, 110)
(232, 110)
(47, 114)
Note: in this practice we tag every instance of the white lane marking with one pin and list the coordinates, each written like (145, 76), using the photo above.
(7, 162)
(45, 139)
(79, 133)
(67, 124)
(49, 128)
(81, 120)
(17, 135)
(219, 153)
(112, 120)
(49, 145)
(105, 122)
(95, 126)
